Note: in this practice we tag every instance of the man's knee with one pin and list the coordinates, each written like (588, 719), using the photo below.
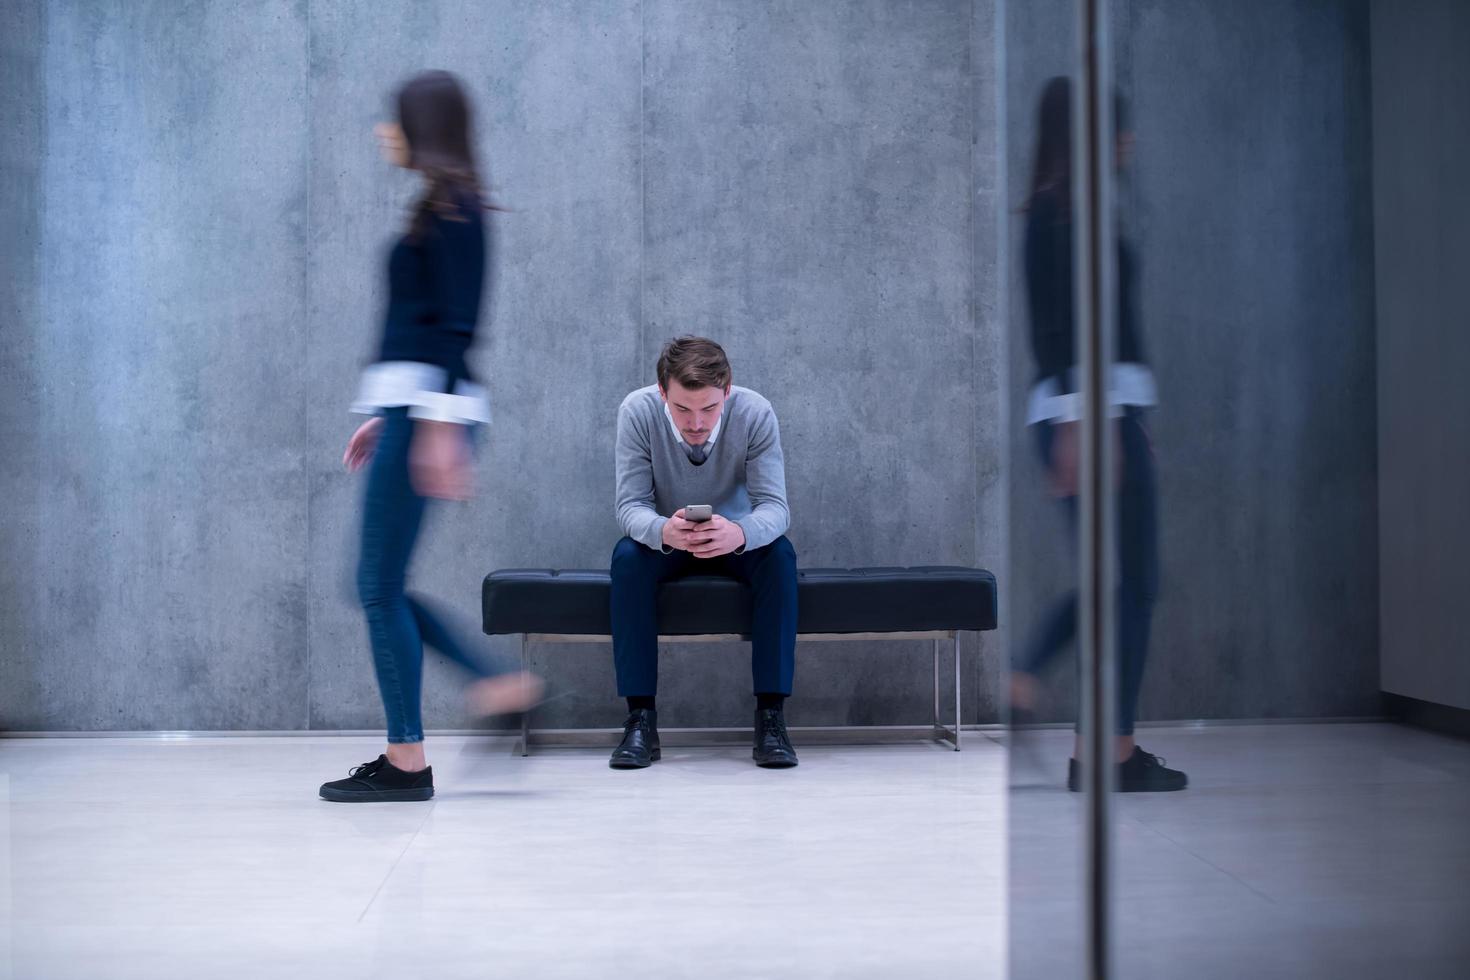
(627, 558)
(776, 563)
(781, 552)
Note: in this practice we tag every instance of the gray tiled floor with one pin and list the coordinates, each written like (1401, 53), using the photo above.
(1300, 851)
(211, 858)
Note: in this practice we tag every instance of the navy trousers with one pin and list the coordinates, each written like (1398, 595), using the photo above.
(638, 571)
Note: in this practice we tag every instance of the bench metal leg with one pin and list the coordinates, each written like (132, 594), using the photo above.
(938, 729)
(942, 732)
(525, 715)
(957, 690)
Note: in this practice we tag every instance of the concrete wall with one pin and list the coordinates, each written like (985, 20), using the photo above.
(1421, 154)
(155, 514)
(199, 219)
(21, 116)
(200, 224)
(1249, 202)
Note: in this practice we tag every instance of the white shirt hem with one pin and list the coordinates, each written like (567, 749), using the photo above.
(420, 387)
(1129, 384)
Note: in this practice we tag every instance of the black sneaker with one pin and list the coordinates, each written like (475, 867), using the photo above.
(639, 747)
(772, 745)
(1142, 772)
(380, 781)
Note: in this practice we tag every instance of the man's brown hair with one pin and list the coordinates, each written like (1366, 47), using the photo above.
(694, 362)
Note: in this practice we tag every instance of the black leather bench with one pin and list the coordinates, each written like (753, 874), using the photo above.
(936, 603)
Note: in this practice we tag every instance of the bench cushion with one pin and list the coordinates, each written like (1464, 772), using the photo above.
(830, 600)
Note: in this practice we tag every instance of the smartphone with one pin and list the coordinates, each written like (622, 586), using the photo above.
(699, 513)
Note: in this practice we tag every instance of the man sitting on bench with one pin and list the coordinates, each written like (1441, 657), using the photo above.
(701, 490)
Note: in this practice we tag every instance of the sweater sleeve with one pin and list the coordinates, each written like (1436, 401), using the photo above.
(765, 481)
(454, 269)
(634, 460)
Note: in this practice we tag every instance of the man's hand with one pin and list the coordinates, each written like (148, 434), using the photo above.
(439, 460)
(715, 537)
(676, 531)
(705, 539)
(363, 443)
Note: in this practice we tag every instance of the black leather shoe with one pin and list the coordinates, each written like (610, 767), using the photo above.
(772, 745)
(639, 747)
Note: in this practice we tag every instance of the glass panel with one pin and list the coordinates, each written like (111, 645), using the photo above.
(1045, 829)
(1290, 202)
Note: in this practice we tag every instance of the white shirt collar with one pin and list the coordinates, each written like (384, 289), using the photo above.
(713, 435)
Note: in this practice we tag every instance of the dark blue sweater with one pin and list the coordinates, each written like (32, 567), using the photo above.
(1050, 289)
(434, 290)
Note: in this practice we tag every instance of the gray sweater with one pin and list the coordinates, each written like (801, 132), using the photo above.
(744, 478)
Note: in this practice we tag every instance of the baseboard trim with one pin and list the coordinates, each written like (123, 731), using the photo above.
(993, 729)
(1443, 718)
(277, 733)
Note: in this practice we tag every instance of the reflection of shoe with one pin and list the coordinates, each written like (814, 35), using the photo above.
(380, 781)
(1145, 773)
(1142, 772)
(639, 747)
(772, 745)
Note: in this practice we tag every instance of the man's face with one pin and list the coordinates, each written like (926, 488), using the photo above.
(695, 410)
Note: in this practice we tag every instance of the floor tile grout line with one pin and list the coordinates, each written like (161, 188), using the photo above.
(396, 862)
(1204, 860)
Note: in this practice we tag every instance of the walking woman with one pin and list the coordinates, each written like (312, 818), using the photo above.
(416, 447)
(1054, 412)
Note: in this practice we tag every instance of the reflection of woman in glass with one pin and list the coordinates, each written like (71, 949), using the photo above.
(416, 447)
(1054, 411)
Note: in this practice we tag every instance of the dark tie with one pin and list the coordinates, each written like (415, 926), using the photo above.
(698, 454)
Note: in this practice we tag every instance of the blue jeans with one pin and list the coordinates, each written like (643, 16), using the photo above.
(1138, 571)
(400, 624)
(638, 571)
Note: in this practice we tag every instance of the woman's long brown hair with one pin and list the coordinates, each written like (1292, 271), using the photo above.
(1051, 169)
(434, 114)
